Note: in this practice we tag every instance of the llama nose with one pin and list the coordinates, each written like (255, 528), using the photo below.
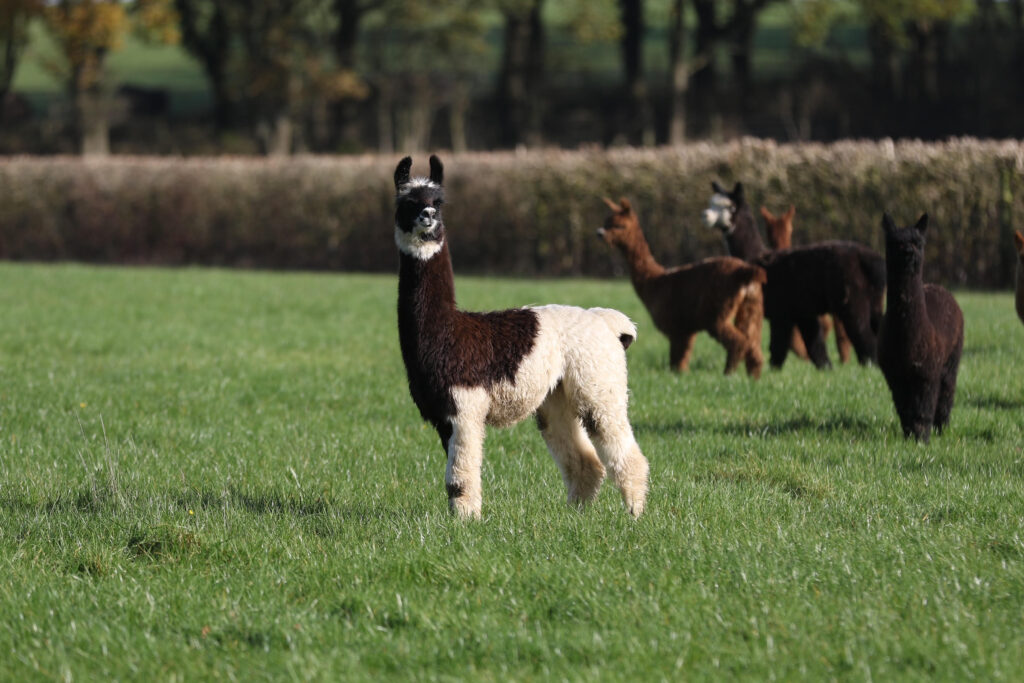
(428, 212)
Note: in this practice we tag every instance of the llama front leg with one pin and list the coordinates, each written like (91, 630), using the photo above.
(679, 351)
(462, 475)
(779, 335)
(947, 389)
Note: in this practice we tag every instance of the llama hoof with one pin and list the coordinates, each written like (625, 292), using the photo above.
(464, 509)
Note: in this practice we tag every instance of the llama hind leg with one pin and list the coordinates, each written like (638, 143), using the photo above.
(749, 321)
(779, 335)
(810, 330)
(735, 343)
(843, 344)
(947, 389)
(465, 453)
(572, 451)
(625, 464)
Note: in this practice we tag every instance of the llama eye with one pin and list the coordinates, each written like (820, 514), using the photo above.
(438, 203)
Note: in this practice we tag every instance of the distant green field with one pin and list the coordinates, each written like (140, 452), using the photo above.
(211, 474)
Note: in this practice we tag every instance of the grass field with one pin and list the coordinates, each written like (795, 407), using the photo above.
(220, 474)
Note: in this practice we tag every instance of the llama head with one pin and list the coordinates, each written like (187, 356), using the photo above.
(780, 228)
(904, 247)
(1018, 239)
(419, 229)
(721, 212)
(621, 226)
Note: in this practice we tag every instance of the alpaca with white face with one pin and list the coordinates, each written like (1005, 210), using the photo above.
(469, 370)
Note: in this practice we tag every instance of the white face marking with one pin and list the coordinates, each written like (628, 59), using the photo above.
(719, 213)
(413, 243)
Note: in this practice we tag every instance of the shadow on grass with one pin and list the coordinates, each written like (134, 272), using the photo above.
(993, 402)
(804, 423)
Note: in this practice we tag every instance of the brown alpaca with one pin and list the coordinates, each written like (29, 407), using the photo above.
(921, 336)
(719, 295)
(1018, 239)
(780, 236)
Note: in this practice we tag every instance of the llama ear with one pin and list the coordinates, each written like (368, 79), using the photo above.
(887, 223)
(402, 172)
(737, 193)
(922, 223)
(436, 170)
(1018, 239)
(718, 189)
(766, 214)
(791, 212)
(625, 205)
(611, 205)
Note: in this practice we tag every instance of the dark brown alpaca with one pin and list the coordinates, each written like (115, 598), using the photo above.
(1018, 239)
(844, 279)
(780, 236)
(708, 295)
(922, 335)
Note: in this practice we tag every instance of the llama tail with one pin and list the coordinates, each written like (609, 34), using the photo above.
(754, 273)
(618, 323)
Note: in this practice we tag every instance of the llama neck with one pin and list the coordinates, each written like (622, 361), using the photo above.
(426, 296)
(904, 298)
(642, 264)
(744, 240)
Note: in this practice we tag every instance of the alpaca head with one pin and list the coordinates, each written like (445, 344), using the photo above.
(1018, 239)
(780, 228)
(419, 229)
(904, 247)
(721, 212)
(621, 228)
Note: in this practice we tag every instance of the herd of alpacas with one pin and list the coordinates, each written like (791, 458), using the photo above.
(567, 365)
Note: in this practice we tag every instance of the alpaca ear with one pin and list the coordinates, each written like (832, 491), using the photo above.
(402, 172)
(718, 189)
(625, 205)
(436, 170)
(791, 212)
(922, 223)
(737, 193)
(766, 214)
(611, 205)
(887, 222)
(1018, 239)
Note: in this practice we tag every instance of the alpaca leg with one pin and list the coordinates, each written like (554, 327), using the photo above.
(735, 343)
(810, 330)
(466, 452)
(749, 320)
(679, 352)
(843, 345)
(855, 320)
(919, 410)
(572, 451)
(797, 345)
(947, 389)
(601, 404)
(779, 336)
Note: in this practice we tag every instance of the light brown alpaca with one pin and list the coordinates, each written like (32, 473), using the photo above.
(720, 295)
(1018, 239)
(780, 236)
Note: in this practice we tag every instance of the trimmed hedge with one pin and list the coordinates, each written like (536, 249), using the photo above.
(531, 213)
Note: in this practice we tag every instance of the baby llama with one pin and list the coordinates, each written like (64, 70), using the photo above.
(707, 295)
(921, 337)
(469, 370)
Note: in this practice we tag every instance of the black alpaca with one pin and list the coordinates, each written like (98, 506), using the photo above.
(844, 279)
(922, 335)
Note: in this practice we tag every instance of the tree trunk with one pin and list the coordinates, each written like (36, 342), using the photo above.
(679, 78)
(519, 93)
(457, 117)
(638, 112)
(705, 78)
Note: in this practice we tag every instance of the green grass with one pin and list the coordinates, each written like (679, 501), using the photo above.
(220, 474)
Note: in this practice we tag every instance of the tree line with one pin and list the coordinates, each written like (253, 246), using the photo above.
(380, 75)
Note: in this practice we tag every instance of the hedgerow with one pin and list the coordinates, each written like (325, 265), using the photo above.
(525, 213)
